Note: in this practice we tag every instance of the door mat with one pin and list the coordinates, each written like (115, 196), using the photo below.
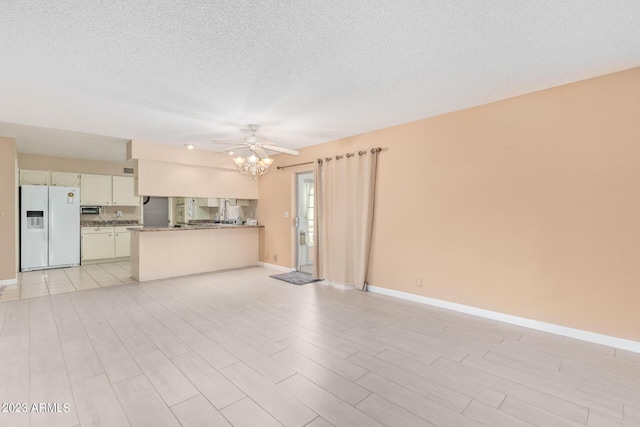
(296, 277)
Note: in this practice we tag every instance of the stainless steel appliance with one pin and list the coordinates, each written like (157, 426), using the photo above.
(49, 227)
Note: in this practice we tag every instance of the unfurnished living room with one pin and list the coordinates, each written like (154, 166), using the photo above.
(353, 213)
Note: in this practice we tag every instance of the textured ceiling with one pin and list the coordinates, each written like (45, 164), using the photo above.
(189, 71)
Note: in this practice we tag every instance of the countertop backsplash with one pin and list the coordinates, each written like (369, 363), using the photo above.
(131, 214)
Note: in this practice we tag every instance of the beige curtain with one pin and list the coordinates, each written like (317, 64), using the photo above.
(345, 190)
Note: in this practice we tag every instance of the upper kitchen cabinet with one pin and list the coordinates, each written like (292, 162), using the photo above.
(31, 177)
(209, 202)
(123, 192)
(65, 179)
(107, 190)
(95, 190)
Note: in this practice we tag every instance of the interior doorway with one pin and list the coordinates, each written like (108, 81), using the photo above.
(305, 224)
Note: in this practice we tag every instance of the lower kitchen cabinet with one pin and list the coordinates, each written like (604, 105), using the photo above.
(102, 243)
(122, 242)
(97, 243)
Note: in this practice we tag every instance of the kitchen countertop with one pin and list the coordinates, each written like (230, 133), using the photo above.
(116, 223)
(195, 227)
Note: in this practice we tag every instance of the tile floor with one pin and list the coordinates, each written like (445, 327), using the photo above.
(240, 348)
(56, 281)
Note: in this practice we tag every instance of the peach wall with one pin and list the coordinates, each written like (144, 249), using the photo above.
(528, 206)
(8, 206)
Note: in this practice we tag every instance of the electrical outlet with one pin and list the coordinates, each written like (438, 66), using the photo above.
(275, 257)
(286, 214)
(419, 282)
(267, 255)
(118, 214)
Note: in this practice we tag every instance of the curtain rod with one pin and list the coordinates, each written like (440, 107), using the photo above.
(297, 164)
(338, 157)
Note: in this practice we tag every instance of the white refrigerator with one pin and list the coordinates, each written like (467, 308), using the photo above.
(49, 227)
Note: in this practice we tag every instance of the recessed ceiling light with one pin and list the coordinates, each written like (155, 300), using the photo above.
(231, 153)
(190, 146)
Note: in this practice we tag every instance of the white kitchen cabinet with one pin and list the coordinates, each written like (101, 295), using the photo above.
(33, 177)
(124, 192)
(97, 243)
(122, 242)
(65, 179)
(95, 190)
(209, 203)
(238, 202)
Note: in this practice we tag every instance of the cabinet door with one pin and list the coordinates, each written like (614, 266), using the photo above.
(95, 189)
(123, 192)
(31, 177)
(65, 179)
(97, 246)
(123, 243)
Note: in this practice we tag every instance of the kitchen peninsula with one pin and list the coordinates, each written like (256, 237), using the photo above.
(162, 252)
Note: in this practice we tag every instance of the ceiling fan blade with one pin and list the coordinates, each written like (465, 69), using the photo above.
(280, 149)
(261, 153)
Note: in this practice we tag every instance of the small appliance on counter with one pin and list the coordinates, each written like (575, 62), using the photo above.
(251, 221)
(49, 227)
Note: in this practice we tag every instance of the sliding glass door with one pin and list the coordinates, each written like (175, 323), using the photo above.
(305, 226)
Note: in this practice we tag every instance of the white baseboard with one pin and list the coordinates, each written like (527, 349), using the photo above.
(9, 282)
(515, 320)
(276, 267)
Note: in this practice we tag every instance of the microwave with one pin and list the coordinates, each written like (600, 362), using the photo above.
(90, 210)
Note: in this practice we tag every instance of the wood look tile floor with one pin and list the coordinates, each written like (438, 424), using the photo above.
(239, 348)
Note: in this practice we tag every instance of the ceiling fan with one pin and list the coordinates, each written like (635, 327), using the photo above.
(257, 147)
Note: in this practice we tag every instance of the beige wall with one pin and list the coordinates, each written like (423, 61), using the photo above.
(169, 171)
(8, 209)
(168, 179)
(63, 164)
(528, 206)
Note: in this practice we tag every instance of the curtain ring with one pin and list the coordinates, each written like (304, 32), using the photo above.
(350, 155)
(376, 150)
(339, 156)
(328, 159)
(360, 153)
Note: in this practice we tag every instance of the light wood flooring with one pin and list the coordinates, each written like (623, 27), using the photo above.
(239, 348)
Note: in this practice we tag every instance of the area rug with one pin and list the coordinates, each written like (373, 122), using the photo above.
(295, 277)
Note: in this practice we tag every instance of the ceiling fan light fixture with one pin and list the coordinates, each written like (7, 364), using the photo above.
(258, 162)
